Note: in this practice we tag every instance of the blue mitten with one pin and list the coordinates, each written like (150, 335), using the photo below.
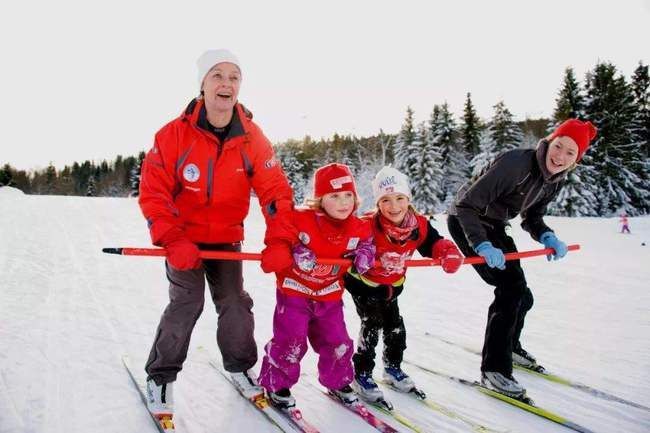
(551, 241)
(494, 257)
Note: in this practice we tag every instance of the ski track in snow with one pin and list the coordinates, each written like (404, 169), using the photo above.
(69, 312)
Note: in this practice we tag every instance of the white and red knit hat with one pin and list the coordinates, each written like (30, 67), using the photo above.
(389, 180)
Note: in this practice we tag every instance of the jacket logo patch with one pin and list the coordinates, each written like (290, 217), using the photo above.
(304, 238)
(270, 163)
(191, 173)
(394, 262)
(339, 181)
(325, 270)
(352, 243)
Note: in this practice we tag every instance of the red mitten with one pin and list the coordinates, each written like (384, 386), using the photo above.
(182, 254)
(449, 255)
(277, 257)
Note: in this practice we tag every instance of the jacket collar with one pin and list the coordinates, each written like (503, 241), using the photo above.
(196, 114)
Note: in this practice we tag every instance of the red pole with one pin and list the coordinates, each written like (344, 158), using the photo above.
(231, 255)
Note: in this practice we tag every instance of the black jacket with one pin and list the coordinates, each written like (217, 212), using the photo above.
(517, 182)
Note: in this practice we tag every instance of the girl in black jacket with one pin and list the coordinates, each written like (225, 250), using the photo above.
(524, 182)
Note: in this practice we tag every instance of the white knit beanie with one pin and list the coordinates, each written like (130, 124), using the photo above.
(213, 57)
(388, 181)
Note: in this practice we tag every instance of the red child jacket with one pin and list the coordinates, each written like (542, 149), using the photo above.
(327, 238)
(193, 181)
(393, 256)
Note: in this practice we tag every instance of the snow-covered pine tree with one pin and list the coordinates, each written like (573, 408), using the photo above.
(453, 160)
(293, 167)
(426, 179)
(485, 155)
(575, 198)
(406, 154)
(500, 135)
(91, 190)
(134, 176)
(445, 132)
(505, 133)
(641, 125)
(470, 129)
(616, 150)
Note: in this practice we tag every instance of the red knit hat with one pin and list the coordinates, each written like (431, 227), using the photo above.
(333, 178)
(581, 132)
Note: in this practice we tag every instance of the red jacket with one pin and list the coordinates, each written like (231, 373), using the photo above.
(327, 238)
(192, 181)
(392, 256)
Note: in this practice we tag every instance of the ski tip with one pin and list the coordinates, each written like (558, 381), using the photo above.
(112, 250)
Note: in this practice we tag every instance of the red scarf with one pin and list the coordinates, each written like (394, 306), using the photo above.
(404, 230)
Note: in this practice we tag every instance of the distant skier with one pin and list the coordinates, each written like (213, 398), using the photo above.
(194, 192)
(520, 181)
(625, 227)
(309, 305)
(398, 230)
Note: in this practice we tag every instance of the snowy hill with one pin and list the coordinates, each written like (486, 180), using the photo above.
(68, 313)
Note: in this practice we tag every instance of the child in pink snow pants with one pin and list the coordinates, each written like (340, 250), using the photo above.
(309, 305)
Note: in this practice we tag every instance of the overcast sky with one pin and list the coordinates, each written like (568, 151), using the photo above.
(91, 80)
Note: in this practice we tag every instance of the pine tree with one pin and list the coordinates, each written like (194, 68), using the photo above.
(570, 103)
(91, 190)
(6, 175)
(66, 184)
(641, 125)
(50, 179)
(445, 132)
(502, 134)
(486, 154)
(453, 160)
(616, 152)
(289, 156)
(505, 133)
(470, 129)
(575, 198)
(426, 178)
(134, 176)
(641, 91)
(406, 156)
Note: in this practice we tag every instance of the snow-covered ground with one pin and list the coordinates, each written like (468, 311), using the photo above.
(68, 313)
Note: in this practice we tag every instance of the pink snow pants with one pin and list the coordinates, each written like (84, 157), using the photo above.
(295, 320)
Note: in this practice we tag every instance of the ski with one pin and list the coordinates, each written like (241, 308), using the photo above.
(362, 411)
(387, 408)
(443, 409)
(524, 403)
(539, 371)
(288, 420)
(164, 423)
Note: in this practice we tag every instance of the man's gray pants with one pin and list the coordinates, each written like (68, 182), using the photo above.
(186, 298)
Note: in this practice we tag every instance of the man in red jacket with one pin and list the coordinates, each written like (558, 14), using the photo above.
(195, 193)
